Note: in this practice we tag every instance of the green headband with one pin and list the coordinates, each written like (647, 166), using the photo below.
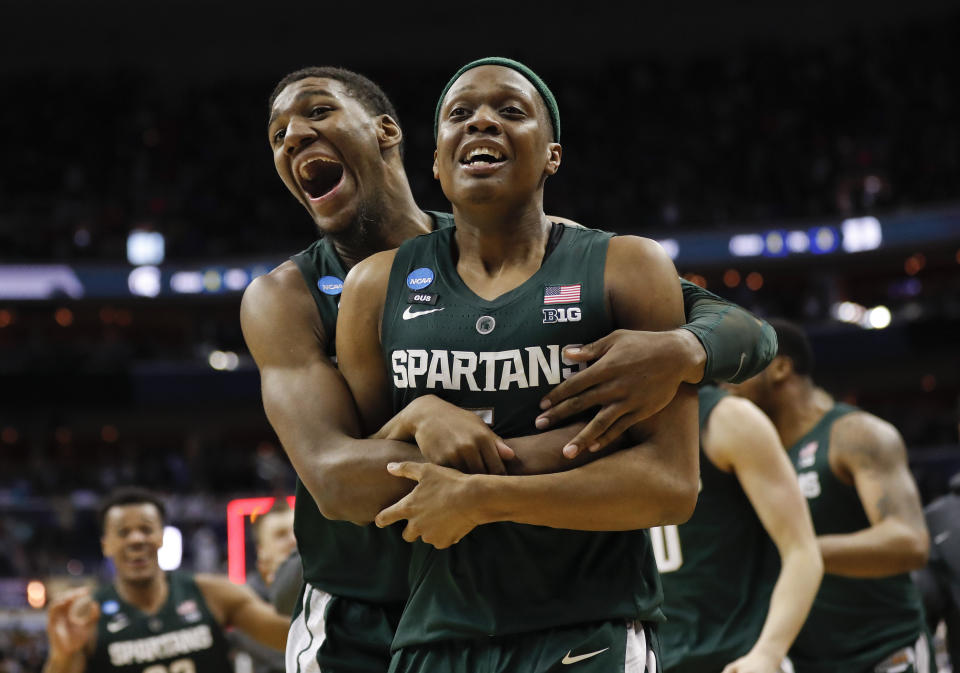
(538, 83)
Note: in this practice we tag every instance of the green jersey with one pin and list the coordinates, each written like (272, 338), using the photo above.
(854, 623)
(361, 562)
(182, 637)
(499, 357)
(711, 567)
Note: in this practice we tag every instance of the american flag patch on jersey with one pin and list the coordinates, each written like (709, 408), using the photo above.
(561, 294)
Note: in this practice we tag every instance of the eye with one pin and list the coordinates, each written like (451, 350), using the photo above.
(513, 111)
(459, 112)
(279, 135)
(320, 110)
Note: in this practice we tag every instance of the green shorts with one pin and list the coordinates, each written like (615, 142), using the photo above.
(604, 647)
(340, 635)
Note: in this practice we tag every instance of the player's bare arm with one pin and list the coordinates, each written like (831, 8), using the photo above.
(71, 632)
(638, 372)
(651, 483)
(869, 453)
(237, 606)
(739, 438)
(309, 405)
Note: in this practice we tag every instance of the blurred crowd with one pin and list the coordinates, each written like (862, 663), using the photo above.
(865, 124)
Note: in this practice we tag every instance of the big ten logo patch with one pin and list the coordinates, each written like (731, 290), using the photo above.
(809, 484)
(568, 314)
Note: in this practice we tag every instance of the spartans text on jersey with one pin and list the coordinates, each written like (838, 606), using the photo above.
(162, 646)
(493, 370)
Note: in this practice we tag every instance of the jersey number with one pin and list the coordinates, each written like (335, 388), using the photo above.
(666, 548)
(178, 666)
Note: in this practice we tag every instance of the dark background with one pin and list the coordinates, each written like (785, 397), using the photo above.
(681, 118)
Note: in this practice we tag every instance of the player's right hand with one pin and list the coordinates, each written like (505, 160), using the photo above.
(71, 621)
(449, 436)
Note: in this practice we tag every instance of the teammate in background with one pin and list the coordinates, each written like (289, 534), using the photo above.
(275, 542)
(852, 468)
(149, 620)
(716, 598)
(517, 591)
(337, 146)
(939, 581)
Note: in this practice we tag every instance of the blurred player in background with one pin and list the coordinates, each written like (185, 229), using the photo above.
(275, 542)
(852, 468)
(150, 620)
(939, 582)
(337, 146)
(722, 612)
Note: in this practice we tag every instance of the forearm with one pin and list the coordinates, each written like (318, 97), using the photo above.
(626, 490)
(737, 345)
(261, 622)
(348, 478)
(800, 573)
(65, 663)
(888, 548)
(542, 453)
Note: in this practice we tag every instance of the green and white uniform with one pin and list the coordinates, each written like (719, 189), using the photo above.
(470, 604)
(712, 568)
(355, 577)
(182, 637)
(855, 624)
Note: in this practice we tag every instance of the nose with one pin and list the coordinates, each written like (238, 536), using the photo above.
(484, 120)
(298, 134)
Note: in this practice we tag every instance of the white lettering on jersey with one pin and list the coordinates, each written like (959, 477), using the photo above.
(497, 370)
(809, 484)
(163, 646)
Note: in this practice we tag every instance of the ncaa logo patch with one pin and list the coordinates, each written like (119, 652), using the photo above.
(109, 607)
(419, 278)
(330, 285)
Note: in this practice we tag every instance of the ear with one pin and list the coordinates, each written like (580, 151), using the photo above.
(389, 133)
(436, 168)
(554, 152)
(780, 369)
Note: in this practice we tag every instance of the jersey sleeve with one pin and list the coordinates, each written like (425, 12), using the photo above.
(737, 344)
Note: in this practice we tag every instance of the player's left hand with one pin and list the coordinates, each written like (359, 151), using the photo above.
(755, 662)
(636, 375)
(434, 509)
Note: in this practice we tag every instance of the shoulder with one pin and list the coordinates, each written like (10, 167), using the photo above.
(737, 430)
(277, 308)
(861, 439)
(283, 284)
(372, 271)
(642, 285)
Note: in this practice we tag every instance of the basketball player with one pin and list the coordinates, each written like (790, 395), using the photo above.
(712, 567)
(148, 620)
(517, 590)
(852, 468)
(338, 148)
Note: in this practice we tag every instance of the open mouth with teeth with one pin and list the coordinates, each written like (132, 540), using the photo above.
(319, 176)
(483, 155)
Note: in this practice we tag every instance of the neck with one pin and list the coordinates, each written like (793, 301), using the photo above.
(384, 221)
(490, 239)
(147, 595)
(800, 408)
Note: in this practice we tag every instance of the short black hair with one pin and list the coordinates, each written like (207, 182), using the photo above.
(793, 343)
(129, 495)
(364, 90)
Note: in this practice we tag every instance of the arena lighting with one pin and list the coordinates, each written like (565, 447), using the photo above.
(187, 282)
(746, 245)
(861, 233)
(144, 281)
(171, 551)
(223, 360)
(878, 317)
(236, 279)
(824, 240)
(798, 242)
(670, 246)
(775, 244)
(145, 247)
(237, 510)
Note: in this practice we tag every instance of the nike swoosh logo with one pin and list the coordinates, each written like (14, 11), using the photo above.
(410, 315)
(113, 627)
(743, 358)
(941, 537)
(580, 657)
